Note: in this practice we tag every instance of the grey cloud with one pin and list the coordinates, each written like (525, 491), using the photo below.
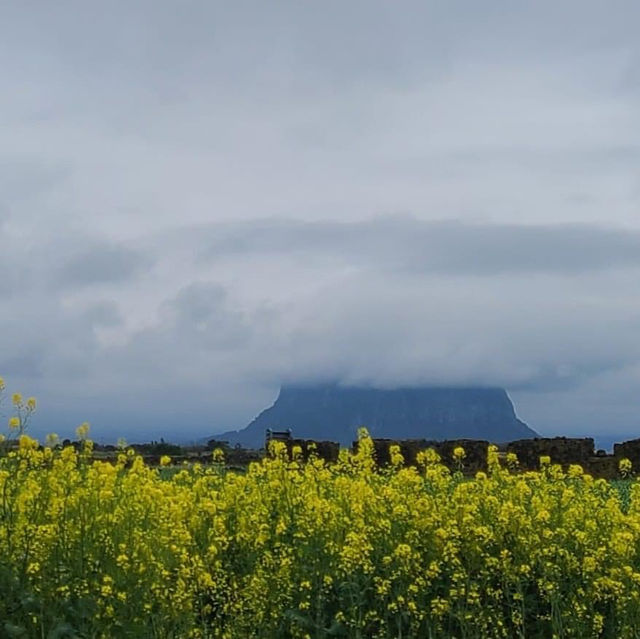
(159, 114)
(43, 342)
(197, 329)
(101, 264)
(201, 312)
(25, 177)
(26, 364)
(561, 160)
(417, 246)
(220, 339)
(103, 314)
(137, 138)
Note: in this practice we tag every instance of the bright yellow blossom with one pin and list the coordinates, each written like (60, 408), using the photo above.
(459, 453)
(625, 466)
(296, 549)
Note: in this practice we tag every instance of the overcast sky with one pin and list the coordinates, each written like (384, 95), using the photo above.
(201, 200)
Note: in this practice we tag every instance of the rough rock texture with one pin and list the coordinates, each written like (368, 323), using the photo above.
(332, 412)
(629, 449)
(561, 450)
(602, 467)
(328, 451)
(475, 451)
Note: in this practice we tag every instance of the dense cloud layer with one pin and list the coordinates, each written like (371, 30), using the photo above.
(199, 202)
(448, 248)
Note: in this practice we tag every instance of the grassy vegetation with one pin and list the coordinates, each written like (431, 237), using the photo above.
(624, 489)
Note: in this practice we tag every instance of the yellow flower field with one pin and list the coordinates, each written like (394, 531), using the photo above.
(292, 549)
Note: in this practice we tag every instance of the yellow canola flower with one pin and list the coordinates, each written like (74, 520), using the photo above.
(27, 443)
(294, 548)
(395, 455)
(575, 471)
(512, 460)
(625, 466)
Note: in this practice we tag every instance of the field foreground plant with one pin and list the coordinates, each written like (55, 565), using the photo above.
(292, 549)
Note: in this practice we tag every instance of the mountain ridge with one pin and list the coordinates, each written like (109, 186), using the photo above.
(333, 412)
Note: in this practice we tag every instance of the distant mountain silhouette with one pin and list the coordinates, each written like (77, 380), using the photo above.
(332, 412)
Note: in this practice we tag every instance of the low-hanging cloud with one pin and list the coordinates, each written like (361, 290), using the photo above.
(410, 244)
(388, 302)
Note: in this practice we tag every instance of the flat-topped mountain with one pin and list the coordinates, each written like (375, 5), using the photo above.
(332, 412)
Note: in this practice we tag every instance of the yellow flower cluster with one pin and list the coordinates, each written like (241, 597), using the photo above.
(22, 411)
(310, 550)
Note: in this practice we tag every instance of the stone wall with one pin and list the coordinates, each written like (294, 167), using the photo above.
(409, 448)
(328, 451)
(629, 449)
(561, 450)
(602, 467)
(475, 451)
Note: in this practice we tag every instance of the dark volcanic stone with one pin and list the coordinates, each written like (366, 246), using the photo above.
(561, 450)
(629, 449)
(332, 412)
(475, 458)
